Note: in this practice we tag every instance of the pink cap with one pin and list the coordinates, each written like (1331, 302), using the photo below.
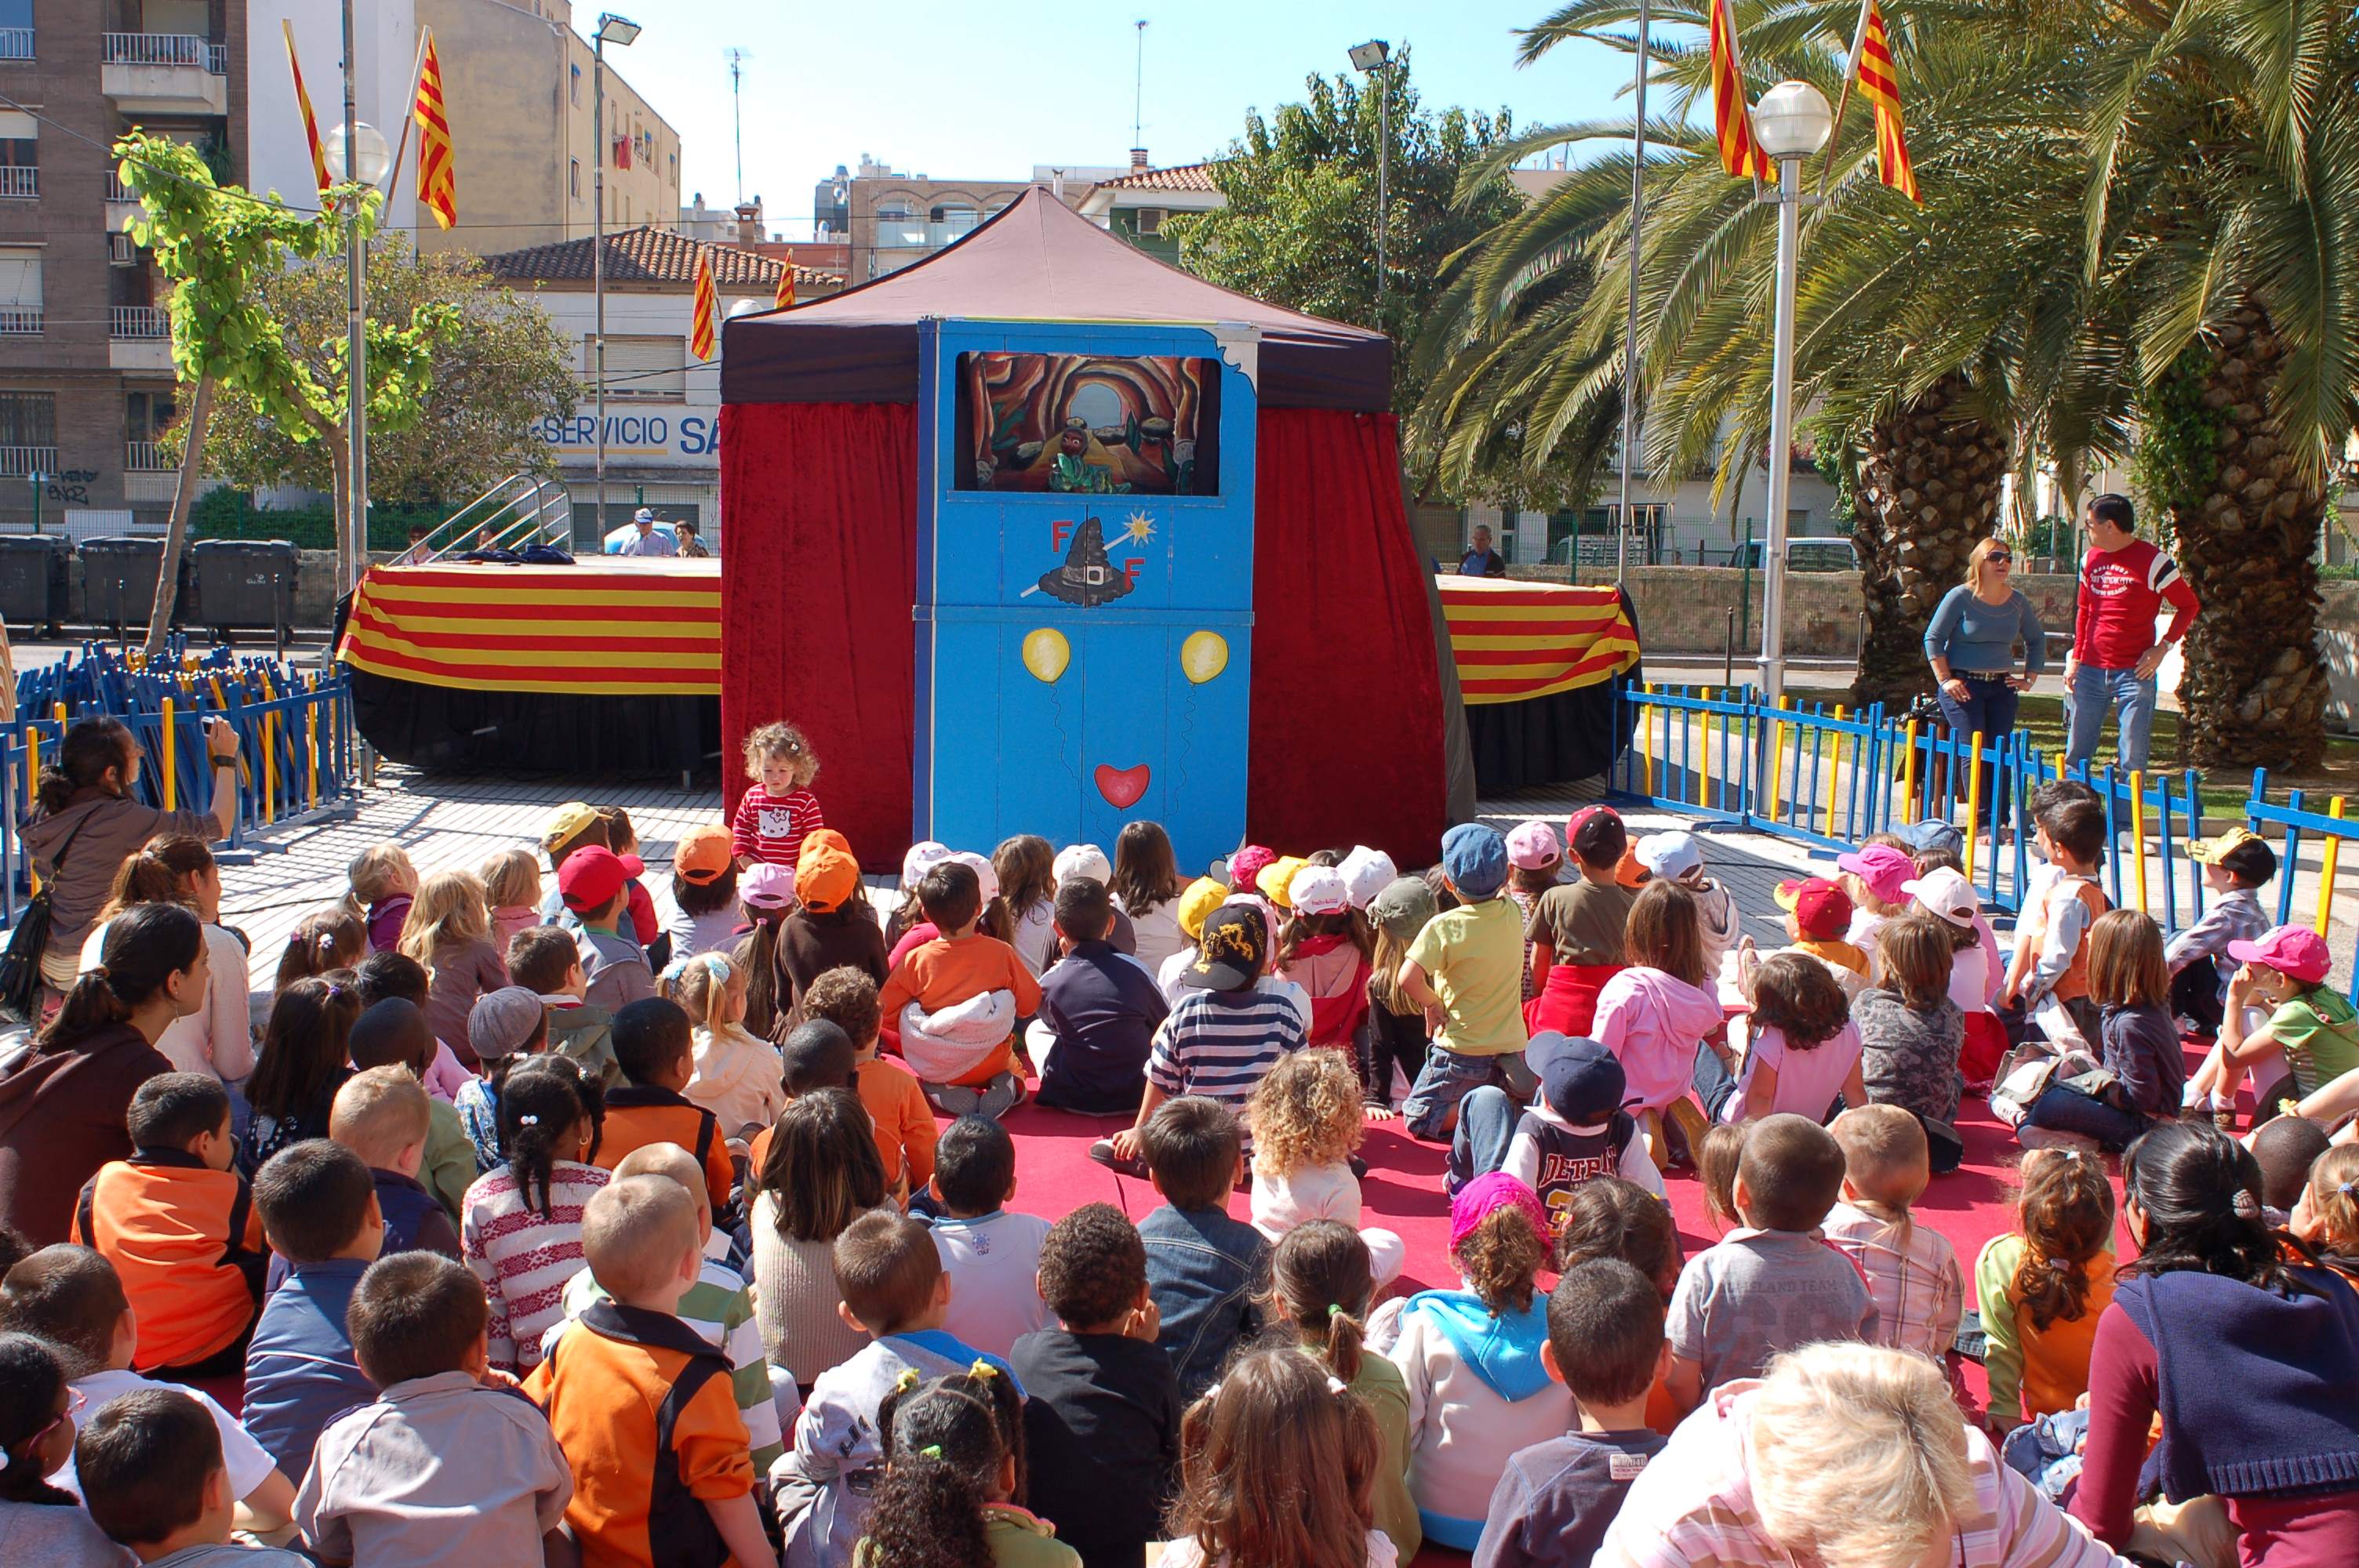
(1478, 1198)
(1532, 845)
(766, 886)
(1246, 864)
(2295, 951)
(1887, 872)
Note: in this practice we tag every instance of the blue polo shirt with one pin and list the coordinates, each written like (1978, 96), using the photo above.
(300, 1369)
(1102, 1006)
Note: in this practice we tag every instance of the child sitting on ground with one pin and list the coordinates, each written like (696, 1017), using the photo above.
(733, 1075)
(1221, 1036)
(1306, 1118)
(1772, 1284)
(1802, 1049)
(954, 1459)
(319, 1204)
(718, 1306)
(1277, 1465)
(2311, 1037)
(445, 1465)
(2051, 955)
(1321, 1287)
(2285, 1146)
(1203, 1267)
(1477, 1389)
(381, 1115)
(1102, 1419)
(521, 1233)
(1610, 1218)
(1197, 901)
(1877, 876)
(894, 1288)
(2236, 865)
(819, 1174)
(991, 1256)
(449, 931)
(1977, 969)
(1392, 1037)
(1717, 1156)
(631, 1375)
(546, 961)
(157, 1481)
(506, 1027)
(1463, 963)
(1679, 857)
(699, 910)
(1606, 1345)
(817, 1054)
(954, 1001)
(595, 885)
(305, 1056)
(511, 880)
(832, 924)
(2326, 1214)
(1911, 1031)
(1325, 949)
(1099, 1010)
(776, 813)
(326, 939)
(384, 886)
(71, 1297)
(906, 1134)
(1910, 1268)
(394, 1033)
(1817, 913)
(177, 1222)
(654, 1049)
(1575, 930)
(639, 922)
(1574, 1132)
(2042, 1289)
(1660, 1017)
(38, 1522)
(1026, 870)
(766, 893)
(2140, 1040)
(1535, 865)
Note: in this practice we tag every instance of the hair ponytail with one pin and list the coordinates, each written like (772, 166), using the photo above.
(1321, 1276)
(145, 878)
(143, 947)
(329, 938)
(543, 1102)
(2066, 1215)
(91, 747)
(2199, 1191)
(945, 1442)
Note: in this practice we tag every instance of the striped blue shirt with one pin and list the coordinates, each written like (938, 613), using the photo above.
(1219, 1044)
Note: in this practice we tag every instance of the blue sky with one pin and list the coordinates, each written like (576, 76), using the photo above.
(960, 89)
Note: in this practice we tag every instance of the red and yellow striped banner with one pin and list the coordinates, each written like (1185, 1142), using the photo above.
(1881, 84)
(438, 190)
(1731, 115)
(653, 627)
(704, 322)
(303, 102)
(1519, 640)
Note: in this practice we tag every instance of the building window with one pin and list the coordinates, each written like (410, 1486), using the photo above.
(147, 415)
(639, 369)
(575, 86)
(29, 433)
(573, 177)
(20, 290)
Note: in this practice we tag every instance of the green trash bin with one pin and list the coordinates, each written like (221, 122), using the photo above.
(35, 580)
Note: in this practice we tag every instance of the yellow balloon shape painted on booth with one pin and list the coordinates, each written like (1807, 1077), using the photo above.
(1045, 653)
(1203, 656)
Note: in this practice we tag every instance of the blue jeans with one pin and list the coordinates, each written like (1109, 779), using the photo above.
(1988, 711)
(2061, 1108)
(2093, 693)
(1486, 1125)
(1431, 1109)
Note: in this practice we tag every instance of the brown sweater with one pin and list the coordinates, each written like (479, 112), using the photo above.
(61, 1116)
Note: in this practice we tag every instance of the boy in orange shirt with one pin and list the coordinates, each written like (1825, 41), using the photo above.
(968, 989)
(179, 1225)
(654, 1048)
(905, 1123)
(629, 1359)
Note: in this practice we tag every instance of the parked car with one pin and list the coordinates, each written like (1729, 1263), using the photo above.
(1820, 554)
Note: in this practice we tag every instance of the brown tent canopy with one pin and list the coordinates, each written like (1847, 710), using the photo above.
(1036, 260)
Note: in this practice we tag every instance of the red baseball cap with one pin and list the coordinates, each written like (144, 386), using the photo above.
(593, 874)
(1820, 908)
(2295, 951)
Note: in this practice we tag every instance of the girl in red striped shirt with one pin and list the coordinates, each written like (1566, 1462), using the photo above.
(780, 809)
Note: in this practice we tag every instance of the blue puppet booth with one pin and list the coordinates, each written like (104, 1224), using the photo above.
(1085, 580)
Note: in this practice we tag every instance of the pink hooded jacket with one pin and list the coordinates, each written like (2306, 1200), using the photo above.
(1653, 1023)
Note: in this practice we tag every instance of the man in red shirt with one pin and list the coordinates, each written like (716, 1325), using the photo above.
(2125, 583)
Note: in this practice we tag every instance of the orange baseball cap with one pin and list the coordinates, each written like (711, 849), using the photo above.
(825, 872)
(702, 854)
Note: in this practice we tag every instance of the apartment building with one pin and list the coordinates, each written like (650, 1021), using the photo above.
(892, 218)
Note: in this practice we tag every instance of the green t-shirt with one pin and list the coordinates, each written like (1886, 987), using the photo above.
(2320, 1032)
(1472, 957)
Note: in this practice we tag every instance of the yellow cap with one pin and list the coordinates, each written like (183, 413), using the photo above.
(1202, 897)
(2224, 841)
(1278, 877)
(568, 821)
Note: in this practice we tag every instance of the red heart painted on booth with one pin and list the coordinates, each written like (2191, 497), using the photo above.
(1122, 786)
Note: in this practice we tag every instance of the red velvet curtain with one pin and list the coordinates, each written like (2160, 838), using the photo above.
(1346, 697)
(820, 517)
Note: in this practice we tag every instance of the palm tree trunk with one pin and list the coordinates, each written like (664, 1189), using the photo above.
(2254, 694)
(176, 532)
(1928, 492)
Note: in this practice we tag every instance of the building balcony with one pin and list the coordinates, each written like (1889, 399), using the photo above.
(146, 457)
(15, 43)
(20, 183)
(23, 462)
(139, 337)
(20, 321)
(122, 206)
(164, 73)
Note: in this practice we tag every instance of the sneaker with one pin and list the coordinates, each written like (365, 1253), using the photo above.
(953, 1099)
(1103, 1153)
(1003, 1093)
(1359, 1166)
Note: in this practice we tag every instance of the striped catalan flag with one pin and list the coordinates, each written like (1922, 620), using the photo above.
(1519, 640)
(1881, 84)
(438, 185)
(303, 102)
(786, 295)
(704, 326)
(1732, 116)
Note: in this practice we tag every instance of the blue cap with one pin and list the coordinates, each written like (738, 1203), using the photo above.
(1580, 1080)
(1475, 859)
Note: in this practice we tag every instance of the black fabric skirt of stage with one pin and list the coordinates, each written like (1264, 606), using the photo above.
(455, 731)
(1546, 740)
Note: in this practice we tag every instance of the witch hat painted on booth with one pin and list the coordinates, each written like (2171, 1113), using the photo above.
(1087, 579)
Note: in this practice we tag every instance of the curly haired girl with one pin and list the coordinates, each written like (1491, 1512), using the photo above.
(1306, 1121)
(1277, 1468)
(779, 808)
(953, 1470)
(1803, 1050)
(2042, 1286)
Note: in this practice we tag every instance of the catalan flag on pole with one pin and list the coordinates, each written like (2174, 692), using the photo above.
(705, 324)
(437, 185)
(1881, 84)
(1732, 116)
(786, 295)
(303, 102)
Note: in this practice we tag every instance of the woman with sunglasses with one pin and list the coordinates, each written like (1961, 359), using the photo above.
(1971, 645)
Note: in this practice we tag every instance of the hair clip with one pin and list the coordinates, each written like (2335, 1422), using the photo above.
(2347, 1188)
(1334, 1310)
(528, 1119)
(2060, 1265)
(908, 1380)
(983, 1369)
(719, 966)
(675, 969)
(1336, 1385)
(2246, 1205)
(2071, 1154)
(931, 1451)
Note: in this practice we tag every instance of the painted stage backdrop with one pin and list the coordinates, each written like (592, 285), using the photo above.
(1084, 607)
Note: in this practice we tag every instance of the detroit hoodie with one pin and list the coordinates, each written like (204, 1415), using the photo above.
(1653, 1023)
(1477, 1393)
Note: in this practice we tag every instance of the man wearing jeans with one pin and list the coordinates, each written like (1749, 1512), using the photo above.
(2125, 583)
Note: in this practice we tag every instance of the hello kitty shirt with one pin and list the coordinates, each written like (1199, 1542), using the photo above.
(771, 826)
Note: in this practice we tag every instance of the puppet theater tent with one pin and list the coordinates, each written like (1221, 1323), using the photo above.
(818, 466)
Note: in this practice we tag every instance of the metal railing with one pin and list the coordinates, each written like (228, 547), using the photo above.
(15, 43)
(146, 457)
(138, 322)
(21, 462)
(20, 321)
(164, 49)
(520, 510)
(19, 180)
(115, 190)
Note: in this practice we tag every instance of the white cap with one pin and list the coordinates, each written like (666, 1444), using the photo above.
(1669, 855)
(984, 873)
(1365, 873)
(1083, 860)
(644, 514)
(1319, 889)
(1947, 893)
(923, 857)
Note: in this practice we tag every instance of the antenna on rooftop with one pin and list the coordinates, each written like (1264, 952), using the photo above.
(737, 59)
(1138, 86)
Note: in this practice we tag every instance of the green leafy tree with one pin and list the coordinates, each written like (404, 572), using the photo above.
(1299, 226)
(220, 245)
(503, 371)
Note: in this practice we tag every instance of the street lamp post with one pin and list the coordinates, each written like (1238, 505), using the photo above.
(1376, 55)
(616, 30)
(1792, 122)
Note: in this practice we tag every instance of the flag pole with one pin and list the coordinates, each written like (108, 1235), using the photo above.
(409, 113)
(1630, 319)
(1850, 74)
